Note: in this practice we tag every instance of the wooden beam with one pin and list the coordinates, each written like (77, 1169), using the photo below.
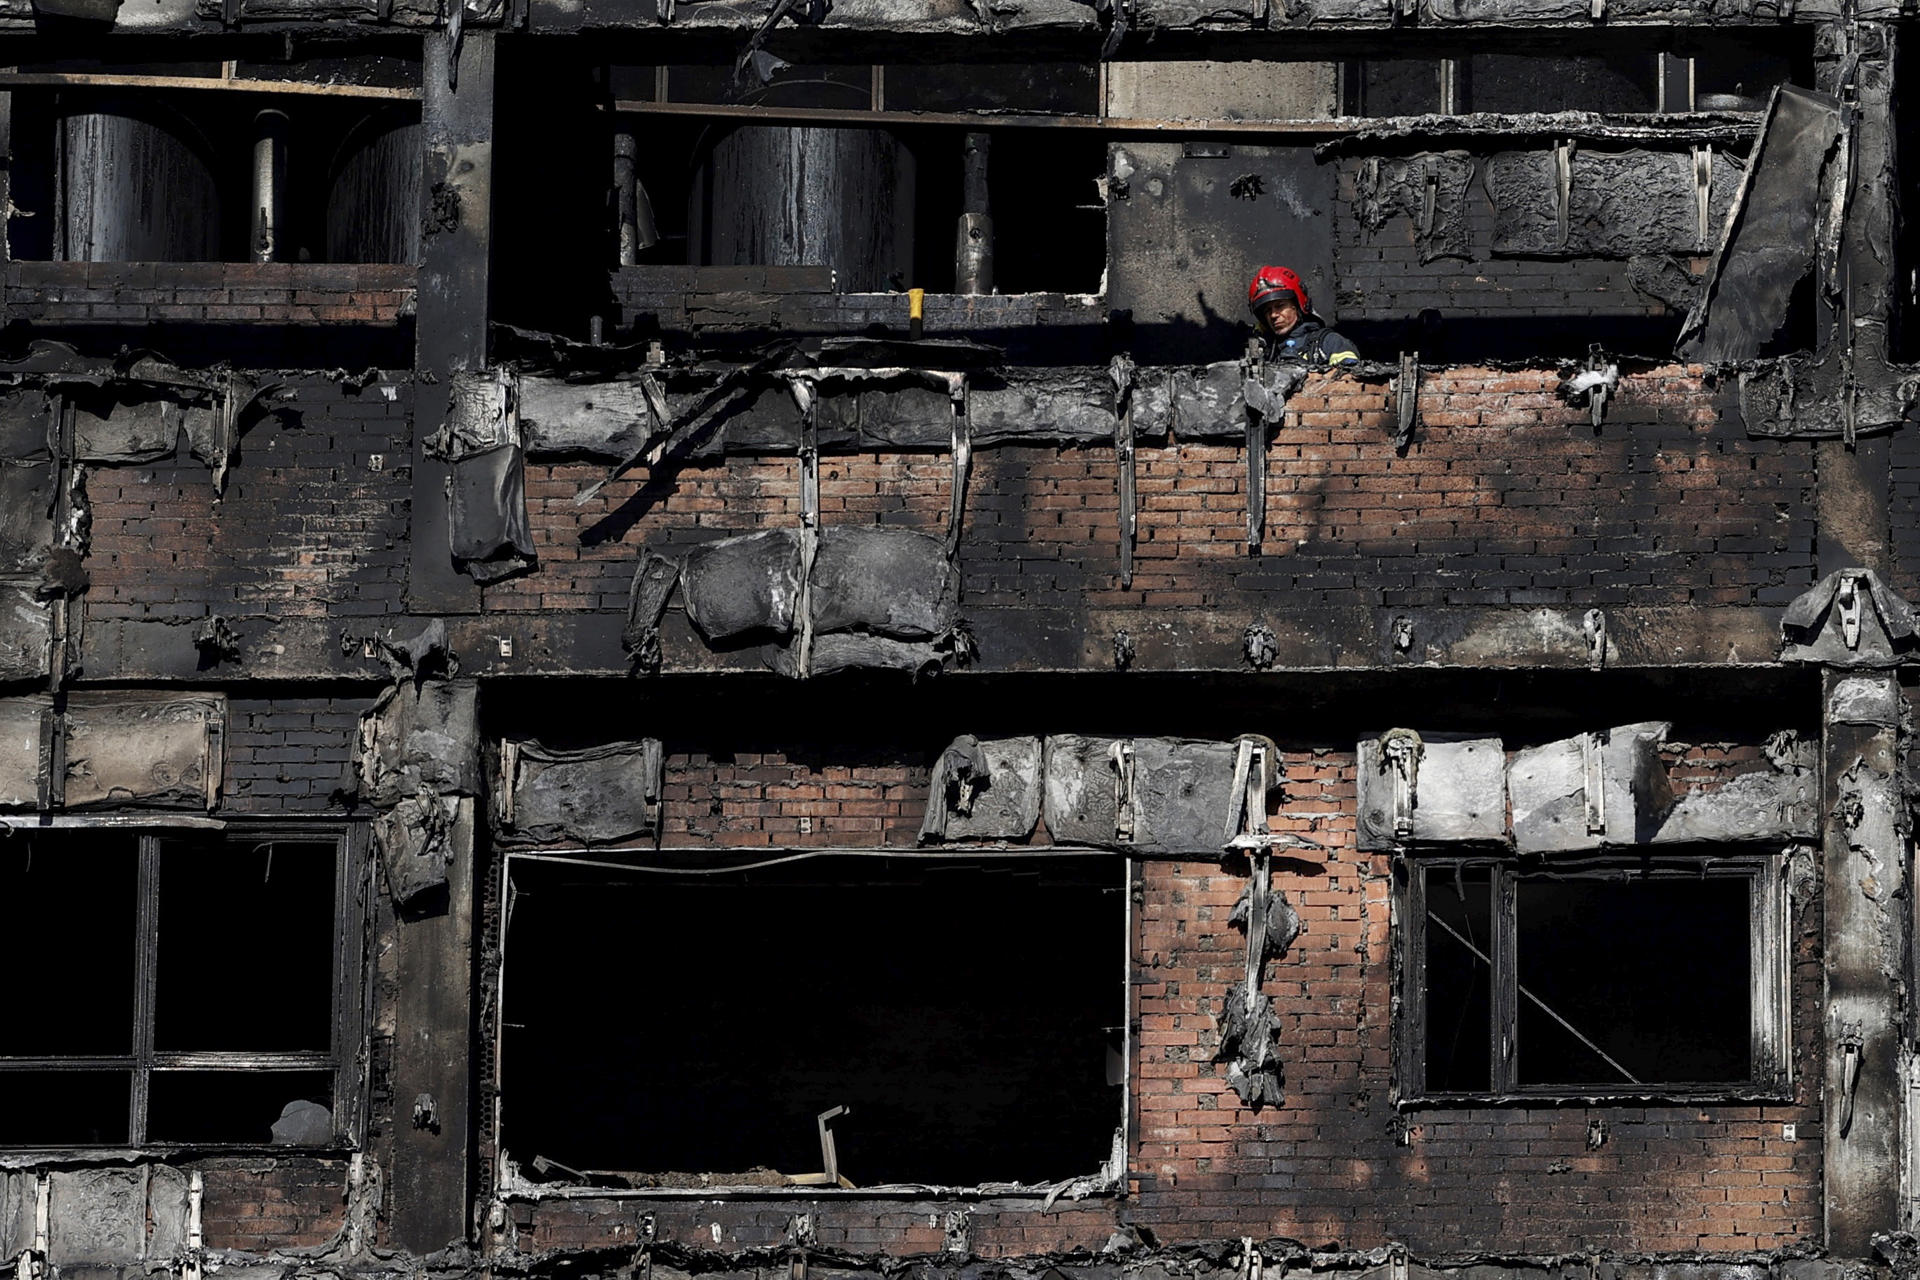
(92, 80)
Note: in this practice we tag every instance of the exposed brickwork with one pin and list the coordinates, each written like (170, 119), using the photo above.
(306, 528)
(802, 299)
(747, 799)
(1507, 496)
(255, 1205)
(1327, 1166)
(289, 754)
(250, 293)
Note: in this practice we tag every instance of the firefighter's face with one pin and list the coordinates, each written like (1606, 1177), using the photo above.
(1281, 316)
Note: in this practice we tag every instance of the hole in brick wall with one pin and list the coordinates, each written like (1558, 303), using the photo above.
(964, 1011)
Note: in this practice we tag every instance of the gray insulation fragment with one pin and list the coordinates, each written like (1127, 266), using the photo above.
(1551, 813)
(1768, 243)
(487, 515)
(24, 732)
(1619, 204)
(148, 749)
(415, 840)
(1395, 188)
(904, 417)
(594, 796)
(857, 651)
(1812, 629)
(1460, 793)
(1209, 403)
(27, 494)
(1754, 806)
(891, 582)
(136, 430)
(1046, 405)
(984, 790)
(739, 585)
(26, 426)
(419, 737)
(1079, 790)
(100, 1216)
(605, 418)
(1181, 793)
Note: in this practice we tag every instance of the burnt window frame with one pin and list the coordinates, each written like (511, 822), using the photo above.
(351, 997)
(508, 1176)
(1769, 929)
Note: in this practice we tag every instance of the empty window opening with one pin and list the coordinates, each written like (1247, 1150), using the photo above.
(869, 201)
(150, 1030)
(968, 1013)
(1622, 979)
(1698, 73)
(163, 175)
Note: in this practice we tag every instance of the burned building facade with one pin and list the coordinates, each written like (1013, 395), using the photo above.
(645, 637)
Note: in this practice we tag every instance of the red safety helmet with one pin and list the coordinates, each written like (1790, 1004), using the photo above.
(1270, 284)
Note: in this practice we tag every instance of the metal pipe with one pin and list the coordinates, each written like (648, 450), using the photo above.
(269, 183)
(638, 230)
(973, 242)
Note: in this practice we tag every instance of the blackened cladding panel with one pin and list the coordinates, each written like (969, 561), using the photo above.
(373, 202)
(138, 186)
(802, 197)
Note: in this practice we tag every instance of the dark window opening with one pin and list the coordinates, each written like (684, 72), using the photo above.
(965, 1012)
(115, 175)
(83, 888)
(205, 888)
(219, 1107)
(1706, 72)
(1670, 996)
(198, 987)
(864, 207)
(1605, 978)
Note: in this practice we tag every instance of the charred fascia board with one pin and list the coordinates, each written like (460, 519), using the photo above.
(1039, 639)
(1137, 1260)
(1415, 133)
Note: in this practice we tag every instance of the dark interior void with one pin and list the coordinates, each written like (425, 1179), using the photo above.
(1524, 707)
(1048, 225)
(1717, 71)
(72, 904)
(280, 888)
(1621, 978)
(188, 161)
(1652, 970)
(227, 1106)
(1459, 955)
(964, 1011)
(65, 1108)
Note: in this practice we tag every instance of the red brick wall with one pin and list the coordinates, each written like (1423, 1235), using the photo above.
(54, 293)
(1507, 496)
(254, 1205)
(1328, 1166)
(306, 527)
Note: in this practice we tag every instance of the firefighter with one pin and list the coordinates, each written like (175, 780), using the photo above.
(1285, 317)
